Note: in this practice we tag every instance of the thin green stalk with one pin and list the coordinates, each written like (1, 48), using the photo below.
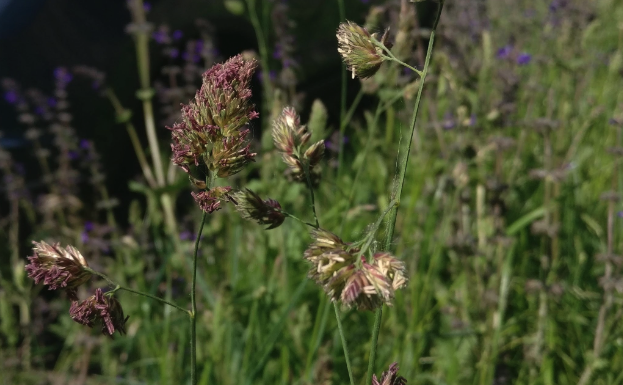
(378, 317)
(346, 355)
(391, 224)
(311, 191)
(287, 214)
(403, 164)
(123, 116)
(263, 48)
(118, 287)
(343, 89)
(193, 296)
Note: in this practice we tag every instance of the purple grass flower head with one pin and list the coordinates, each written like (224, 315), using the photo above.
(358, 52)
(524, 58)
(58, 268)
(364, 285)
(252, 207)
(504, 52)
(291, 138)
(211, 131)
(210, 201)
(390, 377)
(100, 307)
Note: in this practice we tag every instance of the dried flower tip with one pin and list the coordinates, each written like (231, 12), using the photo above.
(252, 207)
(392, 268)
(210, 201)
(362, 57)
(58, 268)
(100, 307)
(364, 285)
(290, 137)
(390, 377)
(288, 133)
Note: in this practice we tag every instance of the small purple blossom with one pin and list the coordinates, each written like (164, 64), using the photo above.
(85, 144)
(147, 6)
(52, 102)
(73, 155)
(159, 36)
(277, 53)
(524, 58)
(88, 226)
(39, 110)
(11, 97)
(504, 52)
(177, 34)
(186, 235)
(84, 237)
(199, 46)
(63, 75)
(448, 122)
(174, 53)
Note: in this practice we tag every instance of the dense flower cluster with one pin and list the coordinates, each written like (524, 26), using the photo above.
(58, 268)
(211, 131)
(252, 207)
(390, 377)
(347, 276)
(99, 307)
(290, 137)
(210, 200)
(362, 57)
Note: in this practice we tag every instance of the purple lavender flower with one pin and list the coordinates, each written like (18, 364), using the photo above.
(174, 53)
(62, 75)
(84, 237)
(504, 52)
(277, 53)
(73, 155)
(85, 144)
(524, 58)
(177, 34)
(52, 102)
(199, 46)
(159, 36)
(11, 97)
(448, 122)
(186, 235)
(147, 6)
(39, 111)
(88, 226)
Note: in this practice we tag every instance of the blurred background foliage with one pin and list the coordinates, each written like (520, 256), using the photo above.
(510, 222)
